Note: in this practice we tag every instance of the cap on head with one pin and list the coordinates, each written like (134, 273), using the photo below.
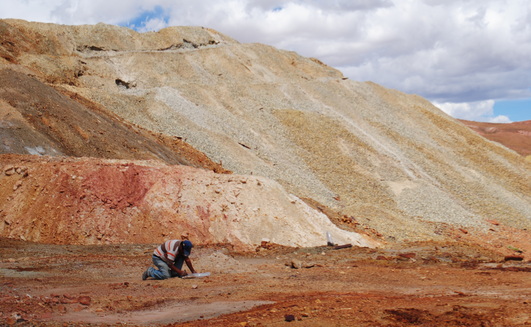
(187, 248)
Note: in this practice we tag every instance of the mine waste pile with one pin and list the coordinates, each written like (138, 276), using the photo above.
(110, 136)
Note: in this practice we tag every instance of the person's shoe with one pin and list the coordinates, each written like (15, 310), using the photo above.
(145, 275)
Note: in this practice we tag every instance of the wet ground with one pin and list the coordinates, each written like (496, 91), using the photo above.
(418, 284)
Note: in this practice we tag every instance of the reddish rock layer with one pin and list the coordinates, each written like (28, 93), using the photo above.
(92, 201)
(515, 136)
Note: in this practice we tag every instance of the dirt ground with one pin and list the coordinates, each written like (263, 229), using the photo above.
(418, 284)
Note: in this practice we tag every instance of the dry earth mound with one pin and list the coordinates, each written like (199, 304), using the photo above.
(91, 201)
(381, 159)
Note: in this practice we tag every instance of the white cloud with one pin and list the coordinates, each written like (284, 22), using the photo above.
(476, 111)
(153, 24)
(449, 51)
(500, 119)
(31, 10)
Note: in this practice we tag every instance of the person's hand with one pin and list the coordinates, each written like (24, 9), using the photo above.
(184, 273)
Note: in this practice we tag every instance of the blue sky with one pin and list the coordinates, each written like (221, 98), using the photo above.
(145, 17)
(518, 110)
(470, 58)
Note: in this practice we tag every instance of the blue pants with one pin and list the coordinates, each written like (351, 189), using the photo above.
(164, 271)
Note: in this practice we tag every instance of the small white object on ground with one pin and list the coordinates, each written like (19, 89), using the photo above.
(197, 275)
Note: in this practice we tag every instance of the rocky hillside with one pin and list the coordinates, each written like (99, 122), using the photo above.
(377, 161)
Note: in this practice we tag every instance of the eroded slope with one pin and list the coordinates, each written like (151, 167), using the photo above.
(91, 201)
(37, 119)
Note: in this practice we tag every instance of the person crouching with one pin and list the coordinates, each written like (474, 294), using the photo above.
(169, 258)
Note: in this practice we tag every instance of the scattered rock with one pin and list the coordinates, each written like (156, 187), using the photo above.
(513, 258)
(431, 259)
(9, 171)
(289, 318)
(61, 308)
(17, 185)
(344, 246)
(381, 257)
(85, 300)
(409, 255)
(296, 264)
